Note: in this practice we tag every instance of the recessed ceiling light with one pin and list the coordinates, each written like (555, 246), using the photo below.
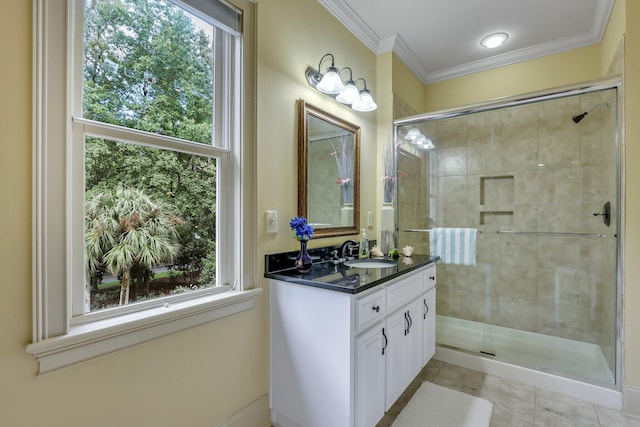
(494, 40)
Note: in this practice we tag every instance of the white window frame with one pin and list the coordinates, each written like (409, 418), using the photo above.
(63, 336)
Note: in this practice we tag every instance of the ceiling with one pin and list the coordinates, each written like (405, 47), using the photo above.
(440, 39)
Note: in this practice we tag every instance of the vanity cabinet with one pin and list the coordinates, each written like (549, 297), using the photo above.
(342, 360)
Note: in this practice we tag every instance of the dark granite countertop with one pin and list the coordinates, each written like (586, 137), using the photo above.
(339, 277)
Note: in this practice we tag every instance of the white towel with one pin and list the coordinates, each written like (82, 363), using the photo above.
(454, 245)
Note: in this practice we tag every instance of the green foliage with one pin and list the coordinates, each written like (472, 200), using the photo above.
(147, 66)
(208, 274)
(126, 231)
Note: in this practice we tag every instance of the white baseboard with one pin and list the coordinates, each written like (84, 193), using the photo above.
(632, 401)
(253, 415)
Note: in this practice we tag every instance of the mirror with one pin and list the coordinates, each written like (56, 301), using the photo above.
(328, 172)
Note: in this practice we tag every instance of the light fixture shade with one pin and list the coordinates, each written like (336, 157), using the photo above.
(365, 102)
(331, 82)
(424, 143)
(428, 145)
(350, 94)
(412, 134)
(420, 140)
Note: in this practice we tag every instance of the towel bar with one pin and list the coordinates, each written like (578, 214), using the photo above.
(425, 230)
(551, 233)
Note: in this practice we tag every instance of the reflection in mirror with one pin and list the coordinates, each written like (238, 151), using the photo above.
(328, 172)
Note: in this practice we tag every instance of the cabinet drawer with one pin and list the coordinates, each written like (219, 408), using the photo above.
(370, 309)
(429, 278)
(403, 291)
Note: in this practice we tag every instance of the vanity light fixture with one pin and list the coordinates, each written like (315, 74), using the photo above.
(425, 143)
(415, 137)
(494, 40)
(412, 134)
(331, 84)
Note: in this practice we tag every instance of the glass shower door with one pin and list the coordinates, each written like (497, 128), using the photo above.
(538, 180)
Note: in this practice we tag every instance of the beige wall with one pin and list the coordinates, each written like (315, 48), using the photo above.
(407, 86)
(563, 68)
(211, 372)
(202, 376)
(305, 32)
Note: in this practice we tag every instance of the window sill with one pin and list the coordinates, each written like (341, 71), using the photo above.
(87, 341)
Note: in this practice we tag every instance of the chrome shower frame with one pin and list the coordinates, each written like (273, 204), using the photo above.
(615, 82)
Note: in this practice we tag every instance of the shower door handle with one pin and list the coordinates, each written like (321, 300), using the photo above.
(606, 213)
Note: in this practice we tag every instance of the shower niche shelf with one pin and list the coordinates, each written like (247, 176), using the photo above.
(496, 217)
(497, 198)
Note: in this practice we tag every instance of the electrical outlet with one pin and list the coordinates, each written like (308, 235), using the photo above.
(272, 222)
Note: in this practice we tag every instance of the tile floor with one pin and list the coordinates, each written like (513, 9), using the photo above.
(514, 404)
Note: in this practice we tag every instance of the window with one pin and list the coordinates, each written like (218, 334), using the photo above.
(143, 177)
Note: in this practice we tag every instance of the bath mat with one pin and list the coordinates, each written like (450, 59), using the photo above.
(436, 406)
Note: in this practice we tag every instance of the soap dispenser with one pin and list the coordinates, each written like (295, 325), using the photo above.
(364, 244)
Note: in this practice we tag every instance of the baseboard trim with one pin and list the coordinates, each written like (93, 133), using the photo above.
(632, 401)
(252, 415)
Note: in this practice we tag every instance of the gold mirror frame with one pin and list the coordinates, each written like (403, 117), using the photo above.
(305, 111)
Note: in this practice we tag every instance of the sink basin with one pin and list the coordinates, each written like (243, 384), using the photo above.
(370, 263)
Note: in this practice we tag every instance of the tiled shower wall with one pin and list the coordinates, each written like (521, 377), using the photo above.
(324, 198)
(525, 168)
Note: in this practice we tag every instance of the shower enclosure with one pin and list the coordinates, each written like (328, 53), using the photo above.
(539, 179)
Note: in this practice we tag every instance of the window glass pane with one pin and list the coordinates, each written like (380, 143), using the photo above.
(148, 65)
(150, 222)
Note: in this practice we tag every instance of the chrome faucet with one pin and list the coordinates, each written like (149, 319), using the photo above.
(348, 246)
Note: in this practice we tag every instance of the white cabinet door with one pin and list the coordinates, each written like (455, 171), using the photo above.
(396, 329)
(404, 352)
(414, 341)
(369, 377)
(428, 325)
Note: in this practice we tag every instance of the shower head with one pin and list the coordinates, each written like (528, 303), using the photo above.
(578, 117)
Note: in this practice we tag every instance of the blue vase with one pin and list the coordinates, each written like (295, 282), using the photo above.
(303, 260)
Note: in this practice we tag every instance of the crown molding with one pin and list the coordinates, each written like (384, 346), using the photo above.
(516, 56)
(341, 11)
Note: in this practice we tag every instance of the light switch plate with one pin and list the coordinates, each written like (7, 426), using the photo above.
(369, 219)
(272, 222)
